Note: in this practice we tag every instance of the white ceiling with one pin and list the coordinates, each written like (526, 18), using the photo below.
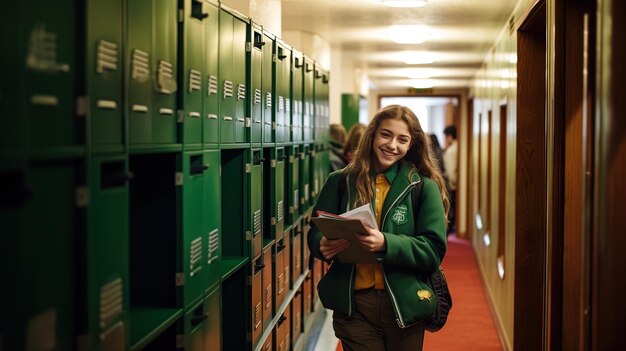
(459, 34)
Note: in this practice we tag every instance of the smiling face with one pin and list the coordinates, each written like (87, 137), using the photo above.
(391, 142)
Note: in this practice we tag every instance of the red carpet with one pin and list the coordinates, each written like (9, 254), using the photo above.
(469, 326)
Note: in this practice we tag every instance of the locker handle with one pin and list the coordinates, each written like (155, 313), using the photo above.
(282, 57)
(280, 246)
(259, 44)
(197, 11)
(259, 265)
(258, 160)
(298, 293)
(282, 319)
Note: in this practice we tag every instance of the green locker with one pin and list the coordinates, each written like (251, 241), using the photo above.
(242, 121)
(292, 181)
(226, 78)
(256, 47)
(255, 313)
(191, 51)
(193, 226)
(267, 82)
(316, 164)
(104, 75)
(305, 177)
(213, 327)
(254, 200)
(281, 105)
(297, 89)
(308, 100)
(107, 253)
(195, 327)
(47, 58)
(211, 97)
(275, 190)
(164, 65)
(212, 215)
(38, 212)
(139, 72)
(319, 91)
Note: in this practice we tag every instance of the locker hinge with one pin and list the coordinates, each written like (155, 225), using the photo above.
(248, 235)
(248, 122)
(180, 279)
(290, 209)
(273, 221)
(273, 125)
(248, 168)
(81, 106)
(180, 341)
(273, 164)
(274, 58)
(178, 179)
(312, 152)
(82, 197)
(248, 46)
(181, 116)
(290, 158)
(181, 15)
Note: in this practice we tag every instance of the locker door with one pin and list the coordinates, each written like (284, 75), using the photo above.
(193, 229)
(281, 108)
(226, 77)
(277, 184)
(164, 65)
(211, 99)
(308, 101)
(213, 327)
(212, 214)
(292, 183)
(305, 172)
(191, 72)
(258, 46)
(196, 327)
(38, 245)
(297, 77)
(107, 253)
(255, 198)
(48, 52)
(242, 122)
(104, 74)
(266, 89)
(138, 70)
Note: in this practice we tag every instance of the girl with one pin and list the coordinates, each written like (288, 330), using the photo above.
(381, 306)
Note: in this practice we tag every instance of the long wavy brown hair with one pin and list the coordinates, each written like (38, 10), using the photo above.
(419, 155)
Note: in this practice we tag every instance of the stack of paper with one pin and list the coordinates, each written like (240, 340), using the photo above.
(347, 226)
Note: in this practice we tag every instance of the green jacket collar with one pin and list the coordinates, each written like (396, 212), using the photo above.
(405, 175)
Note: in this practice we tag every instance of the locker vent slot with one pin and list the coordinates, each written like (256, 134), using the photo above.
(257, 222)
(268, 100)
(280, 211)
(257, 315)
(106, 58)
(281, 103)
(241, 92)
(214, 245)
(212, 88)
(228, 89)
(110, 302)
(195, 256)
(195, 80)
(268, 296)
(287, 106)
(257, 96)
(281, 282)
(42, 53)
(165, 82)
(140, 66)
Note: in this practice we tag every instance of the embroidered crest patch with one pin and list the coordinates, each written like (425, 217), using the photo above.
(399, 215)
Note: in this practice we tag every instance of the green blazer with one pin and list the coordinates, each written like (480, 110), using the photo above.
(415, 246)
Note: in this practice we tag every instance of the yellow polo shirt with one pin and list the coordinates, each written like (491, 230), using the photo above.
(370, 275)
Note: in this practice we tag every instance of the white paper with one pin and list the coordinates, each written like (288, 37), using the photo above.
(364, 213)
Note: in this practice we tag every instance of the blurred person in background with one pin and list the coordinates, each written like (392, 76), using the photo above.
(450, 157)
(337, 141)
(352, 142)
(437, 152)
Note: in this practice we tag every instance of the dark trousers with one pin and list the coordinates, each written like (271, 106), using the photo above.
(373, 327)
(452, 213)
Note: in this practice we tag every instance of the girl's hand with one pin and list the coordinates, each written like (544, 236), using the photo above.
(374, 241)
(330, 248)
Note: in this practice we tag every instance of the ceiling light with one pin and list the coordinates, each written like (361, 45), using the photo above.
(422, 84)
(405, 3)
(408, 34)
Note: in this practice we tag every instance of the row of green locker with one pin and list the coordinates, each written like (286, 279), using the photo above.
(147, 74)
(131, 234)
